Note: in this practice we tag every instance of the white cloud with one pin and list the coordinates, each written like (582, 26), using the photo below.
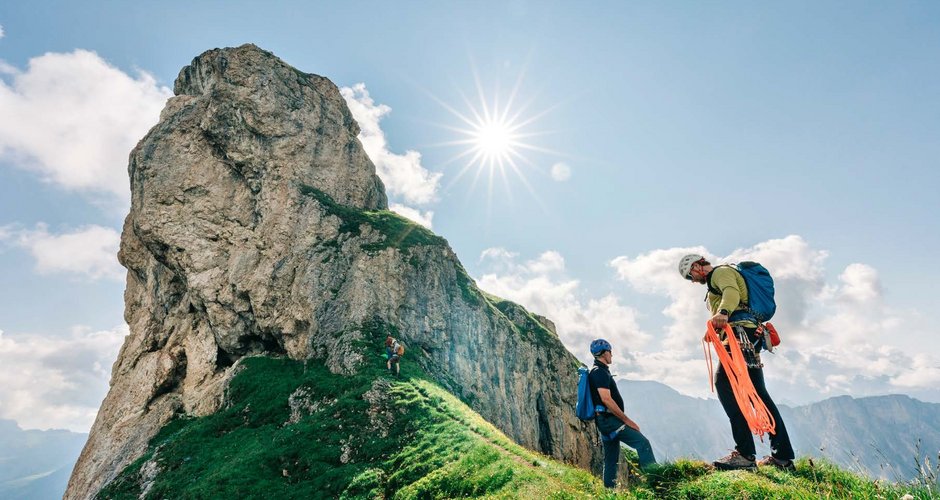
(90, 251)
(50, 382)
(402, 174)
(541, 286)
(423, 218)
(73, 119)
(656, 273)
(561, 172)
(860, 283)
(498, 254)
(925, 371)
(1, 31)
(838, 338)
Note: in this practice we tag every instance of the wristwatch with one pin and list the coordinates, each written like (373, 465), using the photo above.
(723, 311)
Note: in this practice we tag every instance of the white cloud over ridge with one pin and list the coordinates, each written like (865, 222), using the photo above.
(541, 285)
(423, 218)
(73, 119)
(838, 338)
(404, 176)
(90, 251)
(56, 382)
(838, 335)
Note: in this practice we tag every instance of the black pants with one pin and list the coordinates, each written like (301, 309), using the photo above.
(743, 439)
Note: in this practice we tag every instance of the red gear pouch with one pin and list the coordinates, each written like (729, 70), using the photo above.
(774, 336)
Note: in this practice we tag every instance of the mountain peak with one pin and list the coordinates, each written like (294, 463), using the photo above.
(271, 123)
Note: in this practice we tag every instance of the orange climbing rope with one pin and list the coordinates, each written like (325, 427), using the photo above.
(755, 412)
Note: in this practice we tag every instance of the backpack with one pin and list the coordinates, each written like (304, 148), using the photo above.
(760, 292)
(585, 408)
(400, 351)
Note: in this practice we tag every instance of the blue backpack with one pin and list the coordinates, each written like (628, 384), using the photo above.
(760, 293)
(585, 408)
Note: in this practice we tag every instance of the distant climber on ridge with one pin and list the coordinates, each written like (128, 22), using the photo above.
(612, 423)
(393, 351)
(728, 303)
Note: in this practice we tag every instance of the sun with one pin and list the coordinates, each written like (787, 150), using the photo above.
(494, 137)
(494, 140)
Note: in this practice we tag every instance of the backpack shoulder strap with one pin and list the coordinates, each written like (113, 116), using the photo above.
(712, 288)
(589, 373)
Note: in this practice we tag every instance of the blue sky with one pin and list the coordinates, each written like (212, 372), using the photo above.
(803, 134)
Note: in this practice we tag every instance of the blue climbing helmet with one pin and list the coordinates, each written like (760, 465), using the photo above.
(599, 346)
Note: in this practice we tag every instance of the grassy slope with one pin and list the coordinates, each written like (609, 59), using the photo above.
(436, 447)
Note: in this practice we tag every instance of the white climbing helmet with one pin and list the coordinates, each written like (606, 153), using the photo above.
(685, 265)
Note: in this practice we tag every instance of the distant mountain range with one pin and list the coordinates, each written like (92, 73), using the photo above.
(880, 436)
(36, 464)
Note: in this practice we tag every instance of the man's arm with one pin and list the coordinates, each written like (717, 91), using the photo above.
(612, 407)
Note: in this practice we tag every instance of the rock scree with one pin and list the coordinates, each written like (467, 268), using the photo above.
(259, 227)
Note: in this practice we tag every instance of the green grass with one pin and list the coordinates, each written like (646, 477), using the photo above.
(436, 446)
(468, 287)
(689, 479)
(398, 232)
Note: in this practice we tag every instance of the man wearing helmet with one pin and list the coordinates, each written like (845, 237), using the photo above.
(612, 423)
(728, 294)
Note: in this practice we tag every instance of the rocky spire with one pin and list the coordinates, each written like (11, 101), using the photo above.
(257, 228)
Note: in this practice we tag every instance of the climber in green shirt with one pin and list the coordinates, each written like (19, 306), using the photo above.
(727, 294)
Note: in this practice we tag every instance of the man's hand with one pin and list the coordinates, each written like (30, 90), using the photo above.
(719, 321)
(611, 405)
(632, 424)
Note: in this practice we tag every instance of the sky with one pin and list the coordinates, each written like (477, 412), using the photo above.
(570, 153)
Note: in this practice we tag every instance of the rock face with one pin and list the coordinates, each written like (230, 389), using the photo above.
(257, 227)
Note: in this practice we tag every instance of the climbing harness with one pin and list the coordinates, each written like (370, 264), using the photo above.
(759, 419)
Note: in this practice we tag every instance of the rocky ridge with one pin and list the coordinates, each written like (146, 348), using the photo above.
(258, 227)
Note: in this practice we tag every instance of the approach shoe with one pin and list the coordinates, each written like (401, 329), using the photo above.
(786, 465)
(734, 461)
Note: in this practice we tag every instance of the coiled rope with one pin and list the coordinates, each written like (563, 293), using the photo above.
(759, 419)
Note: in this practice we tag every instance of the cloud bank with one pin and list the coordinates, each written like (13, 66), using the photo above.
(543, 287)
(73, 119)
(89, 252)
(55, 382)
(838, 337)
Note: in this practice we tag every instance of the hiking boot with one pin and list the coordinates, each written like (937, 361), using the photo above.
(786, 465)
(735, 461)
